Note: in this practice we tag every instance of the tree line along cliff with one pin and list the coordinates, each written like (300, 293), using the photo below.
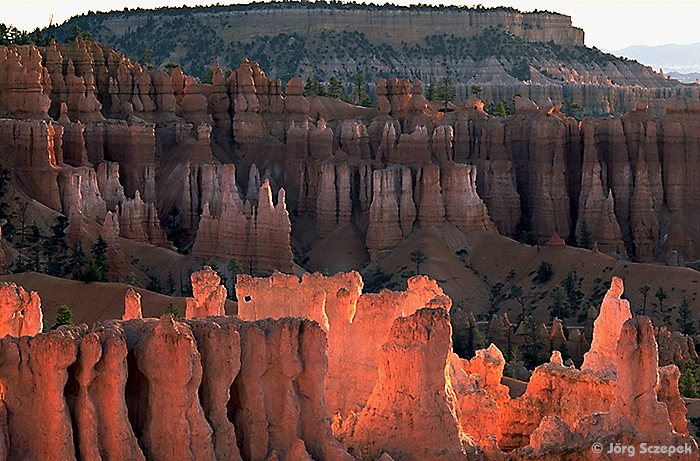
(504, 50)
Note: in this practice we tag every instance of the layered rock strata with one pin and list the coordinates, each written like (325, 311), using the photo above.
(259, 238)
(630, 180)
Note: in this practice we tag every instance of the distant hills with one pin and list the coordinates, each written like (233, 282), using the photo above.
(320, 39)
(500, 51)
(680, 61)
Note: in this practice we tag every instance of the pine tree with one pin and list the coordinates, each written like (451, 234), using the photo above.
(685, 322)
(644, 290)
(418, 257)
(146, 60)
(688, 382)
(64, 316)
(475, 90)
(545, 272)
(431, 91)
(360, 95)
(661, 295)
(584, 240)
(446, 91)
(235, 268)
(99, 253)
(335, 88)
(533, 343)
(308, 87)
(173, 310)
(525, 232)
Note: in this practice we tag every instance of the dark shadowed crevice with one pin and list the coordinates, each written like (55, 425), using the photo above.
(136, 397)
(70, 393)
(233, 406)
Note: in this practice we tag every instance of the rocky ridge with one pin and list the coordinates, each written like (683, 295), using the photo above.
(505, 51)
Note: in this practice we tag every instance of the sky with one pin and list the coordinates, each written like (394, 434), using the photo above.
(609, 25)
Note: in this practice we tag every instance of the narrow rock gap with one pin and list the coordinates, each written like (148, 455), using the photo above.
(136, 397)
(234, 404)
(70, 393)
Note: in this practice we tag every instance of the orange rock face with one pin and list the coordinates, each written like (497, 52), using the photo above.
(675, 347)
(629, 179)
(480, 394)
(227, 388)
(209, 295)
(175, 424)
(132, 305)
(642, 399)
(353, 320)
(261, 242)
(410, 414)
(22, 79)
(637, 416)
(131, 391)
(551, 417)
(20, 312)
(614, 312)
(34, 373)
(553, 391)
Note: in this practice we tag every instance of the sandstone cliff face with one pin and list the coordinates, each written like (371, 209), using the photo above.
(132, 305)
(463, 206)
(259, 239)
(636, 414)
(22, 79)
(209, 295)
(411, 414)
(20, 311)
(629, 180)
(553, 390)
(138, 221)
(480, 394)
(111, 189)
(353, 320)
(383, 233)
(550, 417)
(32, 145)
(596, 210)
(600, 86)
(131, 390)
(675, 347)
(537, 143)
(227, 388)
(635, 403)
(614, 312)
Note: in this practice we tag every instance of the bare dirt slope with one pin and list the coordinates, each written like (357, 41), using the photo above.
(92, 302)
(477, 270)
